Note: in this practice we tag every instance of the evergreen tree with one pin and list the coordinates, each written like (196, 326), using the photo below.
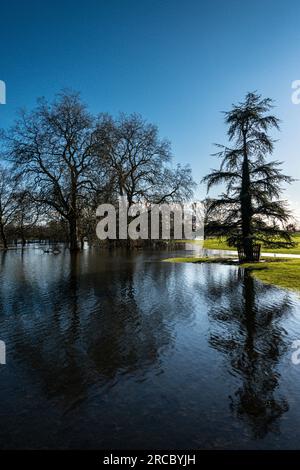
(249, 211)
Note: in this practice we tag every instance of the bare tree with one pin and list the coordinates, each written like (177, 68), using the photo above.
(54, 147)
(71, 162)
(139, 162)
(26, 214)
(8, 205)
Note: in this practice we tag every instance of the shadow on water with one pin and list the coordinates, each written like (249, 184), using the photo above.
(246, 329)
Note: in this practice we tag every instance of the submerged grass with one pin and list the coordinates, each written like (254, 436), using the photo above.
(205, 259)
(281, 272)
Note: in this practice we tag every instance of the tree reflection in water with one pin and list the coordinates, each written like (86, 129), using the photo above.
(91, 327)
(245, 327)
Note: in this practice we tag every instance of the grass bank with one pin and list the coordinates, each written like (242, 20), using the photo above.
(285, 273)
(281, 272)
(215, 244)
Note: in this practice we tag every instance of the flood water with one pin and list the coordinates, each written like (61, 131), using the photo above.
(110, 350)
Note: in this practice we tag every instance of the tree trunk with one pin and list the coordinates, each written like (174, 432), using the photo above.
(73, 234)
(23, 239)
(81, 243)
(246, 208)
(73, 217)
(3, 237)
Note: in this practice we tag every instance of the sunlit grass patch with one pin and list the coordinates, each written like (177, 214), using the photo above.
(221, 244)
(284, 273)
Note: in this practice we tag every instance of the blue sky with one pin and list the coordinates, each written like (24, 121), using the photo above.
(177, 62)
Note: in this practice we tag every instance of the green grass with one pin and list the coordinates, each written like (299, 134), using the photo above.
(221, 244)
(285, 273)
(281, 272)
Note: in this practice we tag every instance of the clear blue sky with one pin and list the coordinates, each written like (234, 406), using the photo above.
(177, 62)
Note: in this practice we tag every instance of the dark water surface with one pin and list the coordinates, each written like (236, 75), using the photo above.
(106, 350)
